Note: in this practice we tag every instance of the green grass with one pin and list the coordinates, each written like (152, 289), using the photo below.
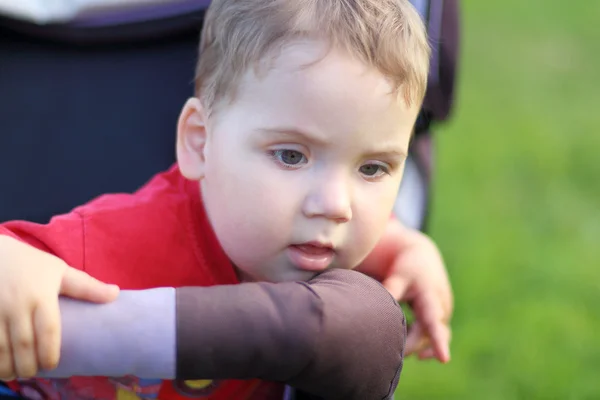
(517, 207)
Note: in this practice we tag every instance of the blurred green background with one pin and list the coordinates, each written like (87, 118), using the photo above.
(517, 207)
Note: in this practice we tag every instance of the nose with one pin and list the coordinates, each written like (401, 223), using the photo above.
(329, 197)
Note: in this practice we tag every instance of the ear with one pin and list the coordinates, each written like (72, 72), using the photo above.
(191, 140)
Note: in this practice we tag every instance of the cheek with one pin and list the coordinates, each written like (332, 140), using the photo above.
(252, 195)
(238, 221)
(250, 207)
(372, 214)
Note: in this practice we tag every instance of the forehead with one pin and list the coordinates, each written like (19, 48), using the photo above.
(310, 84)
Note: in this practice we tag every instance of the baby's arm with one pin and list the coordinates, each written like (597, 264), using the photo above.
(339, 336)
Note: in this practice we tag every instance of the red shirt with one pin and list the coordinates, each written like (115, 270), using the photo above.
(159, 236)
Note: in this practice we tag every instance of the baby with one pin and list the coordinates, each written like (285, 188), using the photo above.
(289, 161)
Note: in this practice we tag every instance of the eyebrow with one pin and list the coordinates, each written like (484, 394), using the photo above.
(391, 152)
(293, 132)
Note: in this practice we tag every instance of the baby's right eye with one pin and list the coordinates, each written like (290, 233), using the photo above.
(289, 158)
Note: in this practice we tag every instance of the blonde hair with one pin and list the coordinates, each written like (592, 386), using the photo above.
(238, 34)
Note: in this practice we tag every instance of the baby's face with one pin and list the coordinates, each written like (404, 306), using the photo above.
(301, 171)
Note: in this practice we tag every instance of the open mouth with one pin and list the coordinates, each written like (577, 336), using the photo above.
(314, 257)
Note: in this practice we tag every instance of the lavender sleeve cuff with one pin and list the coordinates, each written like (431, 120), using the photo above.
(134, 335)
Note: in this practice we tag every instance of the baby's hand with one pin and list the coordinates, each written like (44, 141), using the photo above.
(30, 283)
(410, 266)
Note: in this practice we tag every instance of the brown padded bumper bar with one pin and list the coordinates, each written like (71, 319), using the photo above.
(298, 333)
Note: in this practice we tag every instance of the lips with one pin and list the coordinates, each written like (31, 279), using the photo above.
(314, 257)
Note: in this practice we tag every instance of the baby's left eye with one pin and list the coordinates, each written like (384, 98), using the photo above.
(373, 170)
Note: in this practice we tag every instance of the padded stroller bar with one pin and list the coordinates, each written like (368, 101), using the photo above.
(339, 336)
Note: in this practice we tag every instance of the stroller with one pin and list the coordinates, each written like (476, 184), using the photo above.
(68, 136)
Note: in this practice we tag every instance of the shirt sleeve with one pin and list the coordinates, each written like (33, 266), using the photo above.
(62, 237)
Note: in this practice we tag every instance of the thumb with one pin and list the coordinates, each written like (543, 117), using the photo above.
(79, 285)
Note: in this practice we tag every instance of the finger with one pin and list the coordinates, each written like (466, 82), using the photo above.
(79, 285)
(440, 341)
(447, 304)
(6, 364)
(46, 322)
(23, 347)
(427, 354)
(396, 286)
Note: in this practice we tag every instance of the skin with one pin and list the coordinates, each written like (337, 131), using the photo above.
(311, 151)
